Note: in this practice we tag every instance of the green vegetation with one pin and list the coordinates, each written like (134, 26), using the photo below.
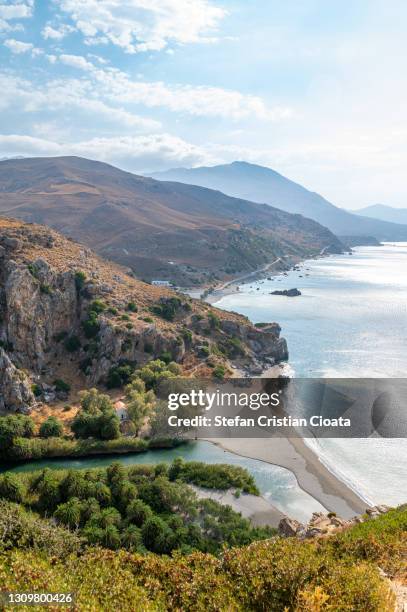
(45, 289)
(231, 347)
(168, 308)
(72, 344)
(140, 403)
(97, 417)
(214, 321)
(139, 508)
(36, 389)
(12, 427)
(80, 279)
(51, 428)
(119, 375)
(219, 476)
(155, 372)
(61, 385)
(91, 325)
(336, 574)
(219, 372)
(132, 307)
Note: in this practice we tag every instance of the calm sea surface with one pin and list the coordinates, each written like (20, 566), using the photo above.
(350, 321)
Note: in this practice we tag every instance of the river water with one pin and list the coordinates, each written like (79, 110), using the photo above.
(275, 483)
(350, 321)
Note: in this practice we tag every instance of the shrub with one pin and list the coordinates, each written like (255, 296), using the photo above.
(11, 488)
(36, 389)
(46, 289)
(119, 375)
(97, 306)
(61, 385)
(72, 344)
(51, 428)
(132, 307)
(219, 372)
(91, 326)
(80, 279)
(214, 320)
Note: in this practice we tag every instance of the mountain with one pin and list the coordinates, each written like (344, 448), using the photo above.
(67, 315)
(187, 234)
(260, 184)
(384, 213)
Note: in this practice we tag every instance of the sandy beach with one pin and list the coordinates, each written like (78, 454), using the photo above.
(253, 507)
(312, 476)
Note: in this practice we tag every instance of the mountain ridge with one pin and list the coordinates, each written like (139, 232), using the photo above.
(384, 212)
(171, 231)
(260, 184)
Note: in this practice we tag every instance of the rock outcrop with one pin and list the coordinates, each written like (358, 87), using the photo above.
(15, 388)
(326, 524)
(66, 314)
(287, 292)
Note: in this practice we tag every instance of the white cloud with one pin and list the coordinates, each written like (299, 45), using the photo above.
(195, 100)
(76, 95)
(76, 61)
(144, 25)
(9, 12)
(56, 33)
(150, 152)
(16, 11)
(17, 46)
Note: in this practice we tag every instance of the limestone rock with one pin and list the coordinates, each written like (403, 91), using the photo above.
(288, 527)
(15, 388)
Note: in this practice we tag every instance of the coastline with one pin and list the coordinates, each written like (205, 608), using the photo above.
(256, 508)
(312, 475)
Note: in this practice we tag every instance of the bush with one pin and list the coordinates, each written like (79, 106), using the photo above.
(36, 389)
(11, 488)
(119, 375)
(97, 307)
(219, 372)
(72, 344)
(80, 279)
(45, 289)
(97, 418)
(132, 307)
(91, 326)
(51, 428)
(61, 385)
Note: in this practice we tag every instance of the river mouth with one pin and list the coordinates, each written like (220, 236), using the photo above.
(276, 484)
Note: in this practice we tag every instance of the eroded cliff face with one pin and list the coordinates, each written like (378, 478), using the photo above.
(67, 315)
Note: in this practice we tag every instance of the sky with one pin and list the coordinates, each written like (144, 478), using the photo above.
(316, 90)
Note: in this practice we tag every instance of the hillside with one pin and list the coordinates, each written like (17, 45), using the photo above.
(359, 570)
(384, 213)
(260, 184)
(189, 235)
(66, 314)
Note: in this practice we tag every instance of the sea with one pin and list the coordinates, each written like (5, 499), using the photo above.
(350, 321)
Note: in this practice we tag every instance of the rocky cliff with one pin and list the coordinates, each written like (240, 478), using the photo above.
(67, 318)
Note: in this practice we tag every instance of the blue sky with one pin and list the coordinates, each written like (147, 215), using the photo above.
(314, 89)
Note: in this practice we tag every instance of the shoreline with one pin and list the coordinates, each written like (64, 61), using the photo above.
(258, 510)
(311, 474)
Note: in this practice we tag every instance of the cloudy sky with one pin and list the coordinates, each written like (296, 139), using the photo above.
(314, 89)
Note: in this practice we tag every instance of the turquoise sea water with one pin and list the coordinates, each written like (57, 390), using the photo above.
(350, 321)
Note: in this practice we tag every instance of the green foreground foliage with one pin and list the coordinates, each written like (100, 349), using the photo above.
(141, 508)
(336, 574)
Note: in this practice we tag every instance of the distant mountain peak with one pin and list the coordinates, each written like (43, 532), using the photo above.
(242, 179)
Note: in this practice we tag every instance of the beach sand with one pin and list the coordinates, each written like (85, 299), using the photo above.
(253, 507)
(312, 476)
